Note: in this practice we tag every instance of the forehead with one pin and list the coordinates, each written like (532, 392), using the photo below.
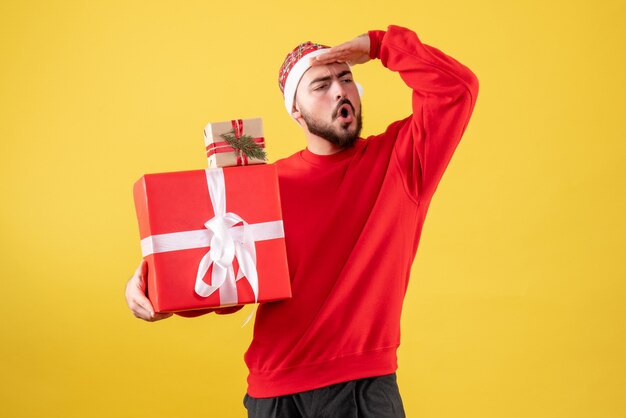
(328, 70)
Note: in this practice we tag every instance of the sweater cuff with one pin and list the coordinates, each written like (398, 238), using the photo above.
(195, 313)
(229, 310)
(199, 312)
(376, 38)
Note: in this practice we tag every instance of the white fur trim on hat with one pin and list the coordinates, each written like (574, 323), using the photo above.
(296, 73)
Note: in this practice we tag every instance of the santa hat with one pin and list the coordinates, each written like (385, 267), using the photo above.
(295, 66)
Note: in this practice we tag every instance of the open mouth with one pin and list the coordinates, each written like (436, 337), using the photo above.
(345, 112)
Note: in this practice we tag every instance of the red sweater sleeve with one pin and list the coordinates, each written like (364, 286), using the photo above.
(444, 95)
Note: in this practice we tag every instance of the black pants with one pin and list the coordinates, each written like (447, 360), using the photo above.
(375, 397)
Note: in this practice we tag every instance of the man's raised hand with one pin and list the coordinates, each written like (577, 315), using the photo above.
(355, 51)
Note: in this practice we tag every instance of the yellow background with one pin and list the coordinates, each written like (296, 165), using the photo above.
(516, 305)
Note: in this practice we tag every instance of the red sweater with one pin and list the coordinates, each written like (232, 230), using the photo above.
(352, 226)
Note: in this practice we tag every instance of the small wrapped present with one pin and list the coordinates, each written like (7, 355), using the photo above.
(212, 238)
(235, 142)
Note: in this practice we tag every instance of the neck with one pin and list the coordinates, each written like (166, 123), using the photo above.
(320, 146)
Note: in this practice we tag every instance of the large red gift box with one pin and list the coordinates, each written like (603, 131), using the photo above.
(212, 238)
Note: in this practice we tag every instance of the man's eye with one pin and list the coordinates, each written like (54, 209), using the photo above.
(321, 87)
(347, 80)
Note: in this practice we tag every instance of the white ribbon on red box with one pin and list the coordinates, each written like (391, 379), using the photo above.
(226, 242)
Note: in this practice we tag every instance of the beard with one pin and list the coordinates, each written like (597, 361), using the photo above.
(341, 136)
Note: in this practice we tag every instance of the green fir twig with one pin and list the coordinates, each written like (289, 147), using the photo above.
(246, 144)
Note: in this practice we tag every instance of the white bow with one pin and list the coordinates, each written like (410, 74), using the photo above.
(227, 243)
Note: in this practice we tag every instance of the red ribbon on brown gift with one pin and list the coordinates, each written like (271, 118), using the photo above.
(222, 146)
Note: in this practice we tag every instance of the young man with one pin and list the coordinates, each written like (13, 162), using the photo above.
(353, 210)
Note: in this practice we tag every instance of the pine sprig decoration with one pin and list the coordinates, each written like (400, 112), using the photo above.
(246, 144)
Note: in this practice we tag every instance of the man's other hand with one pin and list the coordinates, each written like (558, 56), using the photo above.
(356, 51)
(136, 298)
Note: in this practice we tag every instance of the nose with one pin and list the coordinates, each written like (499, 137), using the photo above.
(339, 90)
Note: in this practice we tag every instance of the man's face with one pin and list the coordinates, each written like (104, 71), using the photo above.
(329, 103)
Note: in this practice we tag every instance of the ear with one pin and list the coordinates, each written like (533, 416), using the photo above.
(296, 111)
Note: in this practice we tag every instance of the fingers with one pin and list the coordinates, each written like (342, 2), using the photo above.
(355, 51)
(137, 301)
(136, 298)
(339, 53)
(349, 56)
(142, 309)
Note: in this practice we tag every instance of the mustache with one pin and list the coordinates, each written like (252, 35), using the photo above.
(341, 103)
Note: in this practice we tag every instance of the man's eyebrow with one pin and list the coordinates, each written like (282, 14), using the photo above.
(343, 73)
(326, 78)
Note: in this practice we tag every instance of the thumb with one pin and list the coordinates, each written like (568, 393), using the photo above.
(141, 274)
(144, 268)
